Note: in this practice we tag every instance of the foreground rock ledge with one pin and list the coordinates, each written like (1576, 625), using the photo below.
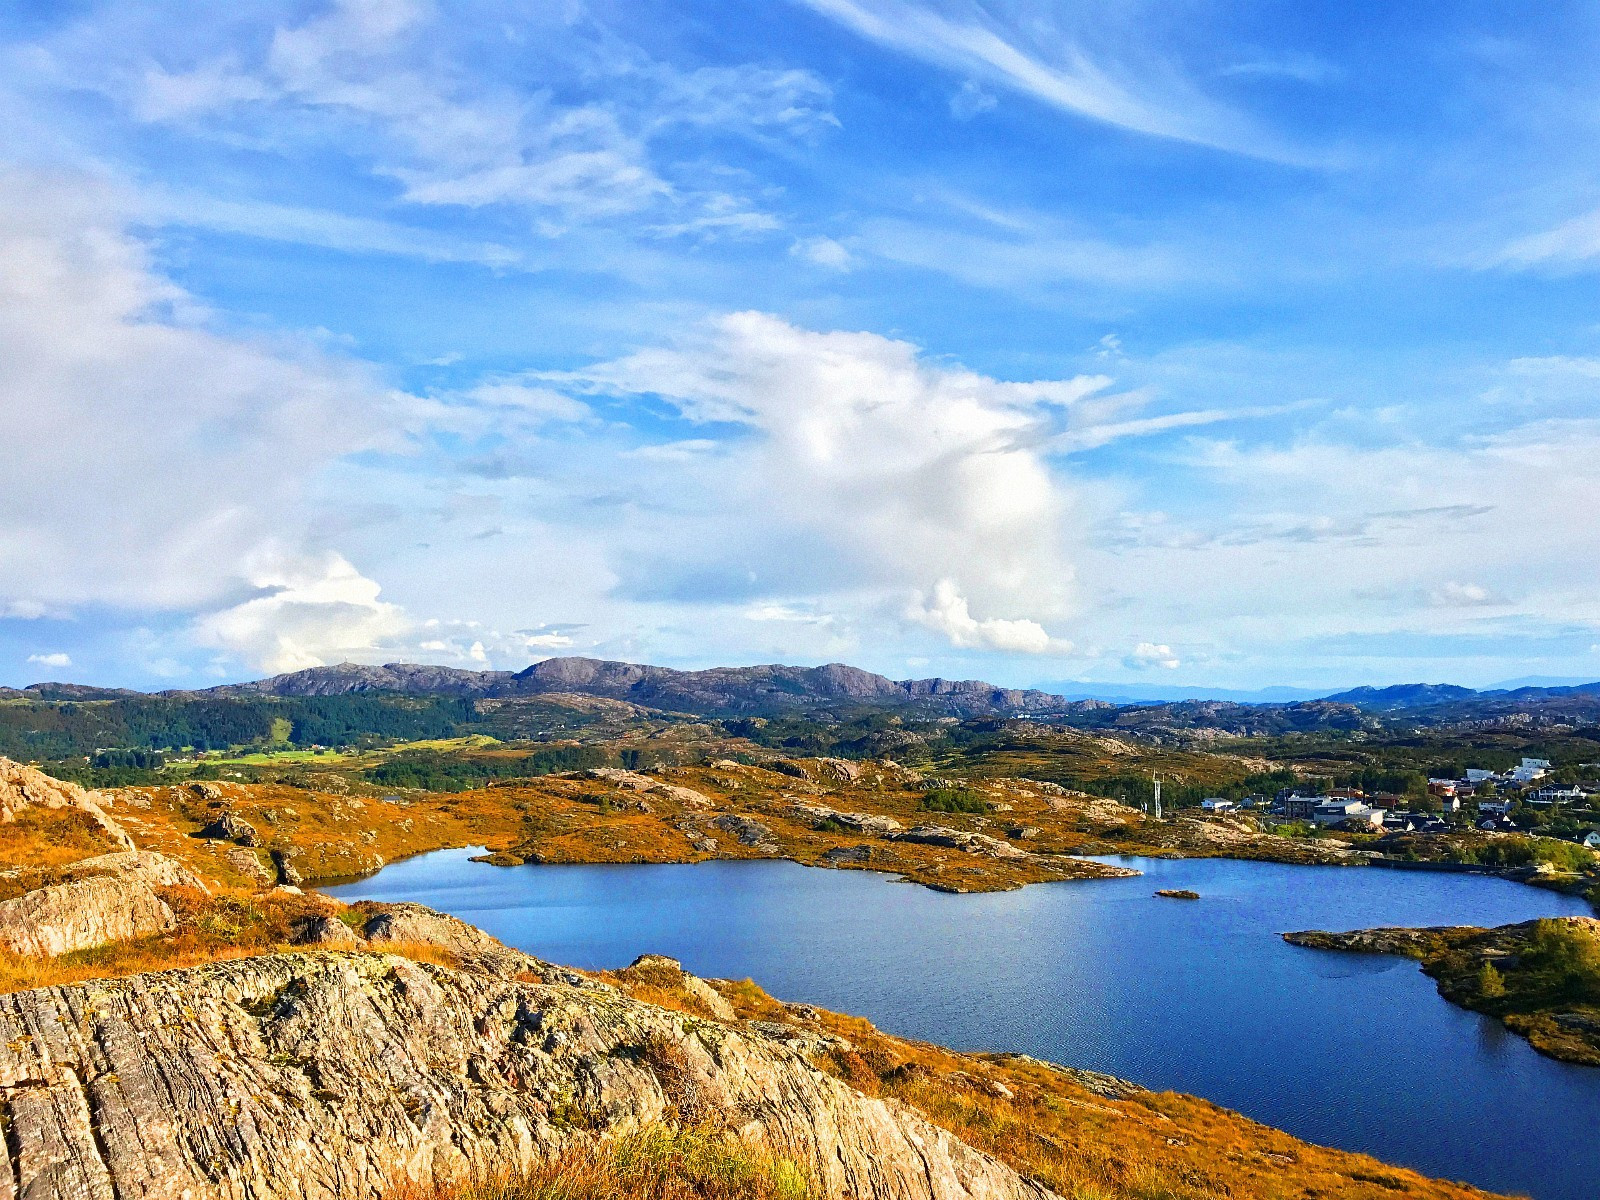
(330, 1074)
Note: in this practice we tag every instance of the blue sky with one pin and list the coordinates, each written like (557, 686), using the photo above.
(1214, 344)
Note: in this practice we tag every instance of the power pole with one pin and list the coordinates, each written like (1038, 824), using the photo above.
(1155, 783)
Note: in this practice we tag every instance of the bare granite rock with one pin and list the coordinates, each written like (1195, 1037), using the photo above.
(958, 839)
(820, 815)
(82, 914)
(747, 831)
(231, 827)
(416, 923)
(23, 787)
(325, 1076)
(144, 866)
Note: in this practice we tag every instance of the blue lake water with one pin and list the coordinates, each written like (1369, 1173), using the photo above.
(1201, 997)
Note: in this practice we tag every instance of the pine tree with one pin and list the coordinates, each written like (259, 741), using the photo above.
(1491, 984)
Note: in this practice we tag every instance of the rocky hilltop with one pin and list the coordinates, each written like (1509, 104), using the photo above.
(720, 690)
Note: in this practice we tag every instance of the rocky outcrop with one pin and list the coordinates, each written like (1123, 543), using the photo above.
(958, 839)
(821, 816)
(141, 866)
(415, 923)
(634, 782)
(1408, 943)
(748, 832)
(325, 1076)
(22, 787)
(231, 827)
(82, 914)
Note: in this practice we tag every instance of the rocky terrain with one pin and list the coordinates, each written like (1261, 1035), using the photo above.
(194, 1029)
(1541, 978)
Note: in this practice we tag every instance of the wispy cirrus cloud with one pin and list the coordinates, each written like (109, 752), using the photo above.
(1039, 53)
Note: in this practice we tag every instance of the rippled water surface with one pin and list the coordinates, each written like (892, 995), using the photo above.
(1201, 997)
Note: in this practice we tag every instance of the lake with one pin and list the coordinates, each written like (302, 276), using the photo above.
(1201, 997)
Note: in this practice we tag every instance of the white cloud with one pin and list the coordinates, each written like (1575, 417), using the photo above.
(969, 101)
(394, 84)
(23, 610)
(1036, 51)
(864, 473)
(161, 452)
(1460, 595)
(51, 660)
(311, 611)
(1150, 654)
(823, 251)
(1570, 243)
(947, 614)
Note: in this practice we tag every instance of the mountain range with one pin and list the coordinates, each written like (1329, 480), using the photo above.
(771, 689)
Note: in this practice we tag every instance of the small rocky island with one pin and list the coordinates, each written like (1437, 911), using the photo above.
(1177, 893)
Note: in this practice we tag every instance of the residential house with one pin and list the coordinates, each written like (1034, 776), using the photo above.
(1216, 804)
(1300, 808)
(1337, 812)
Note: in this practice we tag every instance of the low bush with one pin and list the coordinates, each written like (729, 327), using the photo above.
(954, 800)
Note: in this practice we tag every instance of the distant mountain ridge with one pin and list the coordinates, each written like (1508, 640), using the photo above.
(751, 690)
(774, 689)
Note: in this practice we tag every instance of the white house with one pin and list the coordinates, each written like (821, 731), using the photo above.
(1478, 775)
(1592, 840)
(1530, 769)
(1337, 812)
(1216, 804)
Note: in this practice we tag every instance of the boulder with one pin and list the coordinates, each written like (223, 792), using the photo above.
(248, 863)
(839, 770)
(144, 866)
(818, 815)
(231, 827)
(82, 914)
(327, 930)
(287, 872)
(747, 831)
(418, 924)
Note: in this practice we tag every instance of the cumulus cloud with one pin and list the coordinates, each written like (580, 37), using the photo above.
(310, 611)
(51, 660)
(158, 453)
(1151, 654)
(859, 469)
(947, 613)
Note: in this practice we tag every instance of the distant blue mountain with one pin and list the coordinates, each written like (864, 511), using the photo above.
(1403, 695)
(1133, 693)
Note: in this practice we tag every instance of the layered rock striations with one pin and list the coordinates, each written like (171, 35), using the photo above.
(330, 1075)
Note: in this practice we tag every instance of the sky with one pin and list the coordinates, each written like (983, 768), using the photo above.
(1182, 344)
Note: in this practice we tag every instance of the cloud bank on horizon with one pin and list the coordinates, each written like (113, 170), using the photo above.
(974, 337)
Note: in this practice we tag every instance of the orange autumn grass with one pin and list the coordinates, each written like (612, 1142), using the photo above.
(661, 1162)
